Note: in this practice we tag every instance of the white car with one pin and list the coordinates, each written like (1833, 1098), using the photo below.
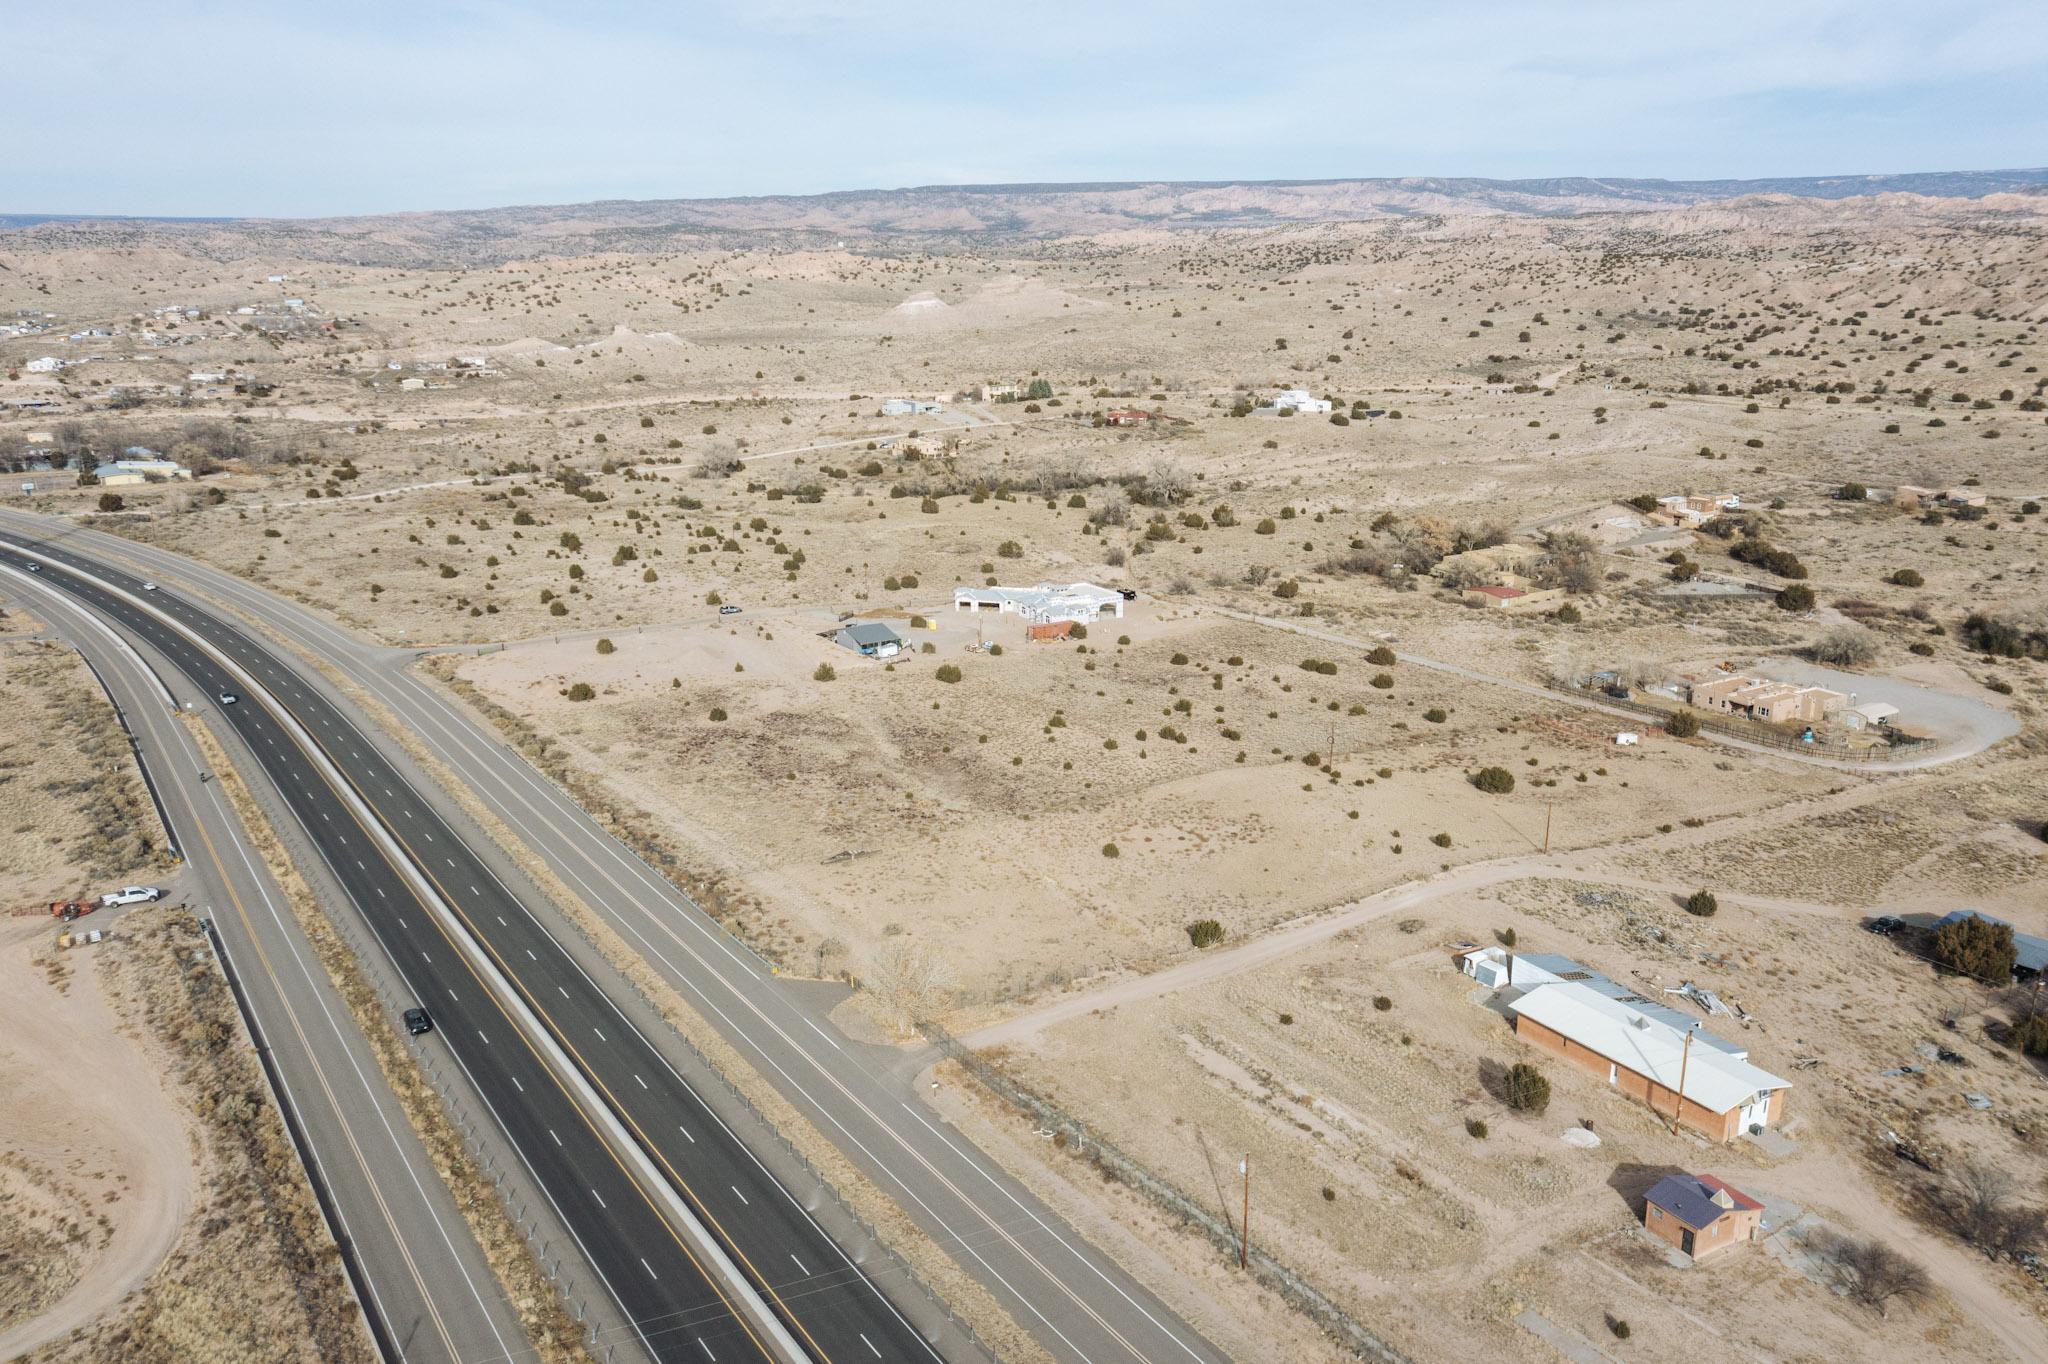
(149, 587)
(34, 567)
(728, 610)
(228, 698)
(131, 895)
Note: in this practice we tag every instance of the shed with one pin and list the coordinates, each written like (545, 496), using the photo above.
(1048, 631)
(1701, 1215)
(1869, 715)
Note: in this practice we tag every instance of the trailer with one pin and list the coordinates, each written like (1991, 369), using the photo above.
(66, 910)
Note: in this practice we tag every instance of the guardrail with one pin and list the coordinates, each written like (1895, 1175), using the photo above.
(358, 1285)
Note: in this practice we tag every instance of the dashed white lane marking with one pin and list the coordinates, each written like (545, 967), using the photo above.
(551, 1132)
(706, 1349)
(686, 1132)
(649, 1268)
(602, 1204)
(798, 1263)
(870, 1344)
(737, 1194)
(642, 1083)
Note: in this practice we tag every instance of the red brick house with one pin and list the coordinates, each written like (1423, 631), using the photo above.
(1701, 1215)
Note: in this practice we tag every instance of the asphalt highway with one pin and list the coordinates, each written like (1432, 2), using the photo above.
(677, 1307)
(429, 1293)
(1080, 1304)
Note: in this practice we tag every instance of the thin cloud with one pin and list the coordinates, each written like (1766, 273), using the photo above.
(235, 107)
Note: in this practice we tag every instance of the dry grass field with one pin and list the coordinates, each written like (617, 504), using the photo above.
(582, 458)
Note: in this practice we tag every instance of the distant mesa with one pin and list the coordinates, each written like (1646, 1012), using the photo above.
(953, 213)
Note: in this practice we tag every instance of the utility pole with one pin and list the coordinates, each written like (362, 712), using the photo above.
(1244, 1227)
(1546, 830)
(1684, 1059)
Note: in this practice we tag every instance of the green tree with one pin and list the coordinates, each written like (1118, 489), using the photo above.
(1702, 903)
(1972, 946)
(111, 502)
(1495, 781)
(1682, 725)
(1525, 1090)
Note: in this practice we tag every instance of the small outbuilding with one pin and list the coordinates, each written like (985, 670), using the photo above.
(1700, 1215)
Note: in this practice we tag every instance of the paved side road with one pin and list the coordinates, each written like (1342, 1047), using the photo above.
(429, 1295)
(1077, 1302)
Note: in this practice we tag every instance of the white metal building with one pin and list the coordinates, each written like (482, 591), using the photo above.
(1045, 603)
(1300, 400)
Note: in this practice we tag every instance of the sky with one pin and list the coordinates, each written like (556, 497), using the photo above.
(293, 109)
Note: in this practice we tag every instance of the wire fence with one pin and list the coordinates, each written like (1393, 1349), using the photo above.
(1070, 1131)
(1835, 747)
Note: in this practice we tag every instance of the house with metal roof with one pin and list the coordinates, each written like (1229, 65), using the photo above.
(1043, 604)
(1672, 1066)
(2030, 953)
(1524, 971)
(1701, 1215)
(869, 639)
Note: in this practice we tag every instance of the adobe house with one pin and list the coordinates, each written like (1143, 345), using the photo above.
(1772, 703)
(1700, 1214)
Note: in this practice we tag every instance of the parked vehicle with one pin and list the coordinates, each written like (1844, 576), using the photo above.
(1127, 594)
(1884, 925)
(418, 1021)
(728, 610)
(131, 895)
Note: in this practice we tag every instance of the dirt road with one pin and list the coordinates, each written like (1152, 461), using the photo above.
(84, 1100)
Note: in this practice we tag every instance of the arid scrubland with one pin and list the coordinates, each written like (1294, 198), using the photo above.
(151, 1206)
(584, 458)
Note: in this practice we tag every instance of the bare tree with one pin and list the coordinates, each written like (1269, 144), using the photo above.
(1869, 1271)
(1166, 483)
(1845, 645)
(1572, 562)
(909, 984)
(1979, 1200)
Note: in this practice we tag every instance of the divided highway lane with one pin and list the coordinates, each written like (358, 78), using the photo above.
(426, 1282)
(678, 1311)
(1080, 1304)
